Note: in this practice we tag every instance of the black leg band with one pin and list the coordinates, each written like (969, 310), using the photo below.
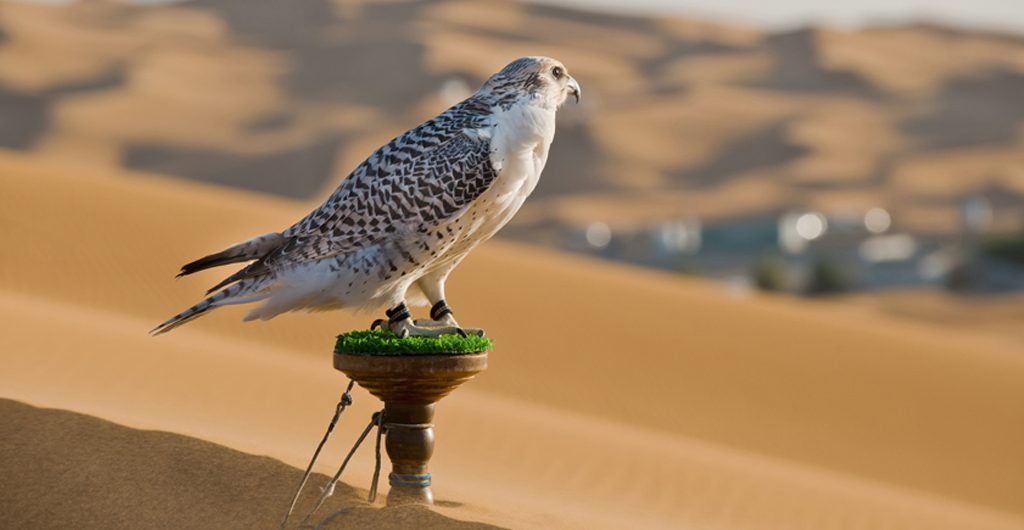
(439, 310)
(398, 313)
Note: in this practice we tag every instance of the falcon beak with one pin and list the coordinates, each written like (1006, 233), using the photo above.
(574, 89)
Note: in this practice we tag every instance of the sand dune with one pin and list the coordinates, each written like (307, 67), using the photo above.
(624, 398)
(499, 460)
(66, 470)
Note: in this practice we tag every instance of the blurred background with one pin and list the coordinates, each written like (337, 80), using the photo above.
(779, 245)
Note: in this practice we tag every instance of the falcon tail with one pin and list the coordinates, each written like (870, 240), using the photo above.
(254, 248)
(240, 293)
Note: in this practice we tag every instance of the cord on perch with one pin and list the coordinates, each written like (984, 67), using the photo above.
(410, 376)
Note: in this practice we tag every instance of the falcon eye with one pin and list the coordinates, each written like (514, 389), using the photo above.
(558, 72)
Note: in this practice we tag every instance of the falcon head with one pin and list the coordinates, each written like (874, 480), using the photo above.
(542, 79)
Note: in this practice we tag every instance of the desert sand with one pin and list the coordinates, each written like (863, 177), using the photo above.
(616, 397)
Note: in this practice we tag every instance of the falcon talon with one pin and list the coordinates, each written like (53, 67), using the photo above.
(408, 214)
(379, 323)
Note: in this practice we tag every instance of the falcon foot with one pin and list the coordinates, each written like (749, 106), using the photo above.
(401, 324)
(407, 328)
(441, 316)
(439, 324)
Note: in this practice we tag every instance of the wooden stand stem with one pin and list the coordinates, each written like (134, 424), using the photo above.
(410, 444)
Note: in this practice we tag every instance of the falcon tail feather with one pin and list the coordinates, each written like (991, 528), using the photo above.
(240, 293)
(251, 249)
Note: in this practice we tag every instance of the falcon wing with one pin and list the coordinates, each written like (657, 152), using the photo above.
(408, 186)
(400, 196)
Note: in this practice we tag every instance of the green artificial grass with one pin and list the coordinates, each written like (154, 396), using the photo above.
(377, 342)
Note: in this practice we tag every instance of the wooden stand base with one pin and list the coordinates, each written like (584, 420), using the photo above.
(409, 386)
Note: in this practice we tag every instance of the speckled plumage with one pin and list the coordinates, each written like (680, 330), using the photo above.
(406, 216)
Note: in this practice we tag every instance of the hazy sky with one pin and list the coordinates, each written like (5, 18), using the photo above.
(1005, 15)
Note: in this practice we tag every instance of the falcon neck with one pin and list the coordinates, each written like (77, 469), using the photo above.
(524, 126)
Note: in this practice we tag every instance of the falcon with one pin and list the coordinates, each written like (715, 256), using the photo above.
(396, 227)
